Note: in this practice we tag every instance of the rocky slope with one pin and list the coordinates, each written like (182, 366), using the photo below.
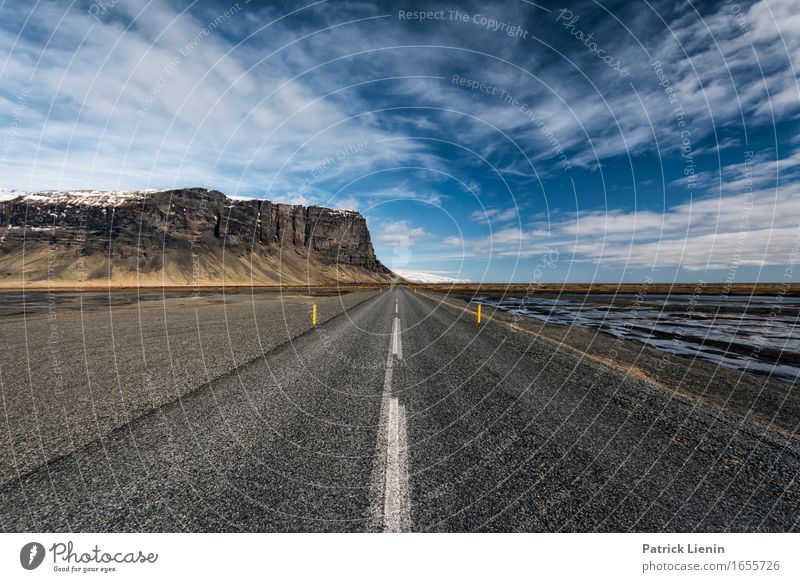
(187, 237)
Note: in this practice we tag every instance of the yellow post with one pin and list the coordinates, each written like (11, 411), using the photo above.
(479, 313)
(314, 315)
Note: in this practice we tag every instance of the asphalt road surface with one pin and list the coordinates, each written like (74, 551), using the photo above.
(402, 414)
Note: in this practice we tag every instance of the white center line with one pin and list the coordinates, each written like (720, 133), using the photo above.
(395, 506)
(397, 342)
(391, 478)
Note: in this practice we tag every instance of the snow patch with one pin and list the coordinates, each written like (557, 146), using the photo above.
(88, 197)
(428, 277)
(341, 212)
(6, 194)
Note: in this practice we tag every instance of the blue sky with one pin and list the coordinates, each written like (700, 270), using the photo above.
(579, 141)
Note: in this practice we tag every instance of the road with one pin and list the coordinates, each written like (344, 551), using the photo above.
(403, 414)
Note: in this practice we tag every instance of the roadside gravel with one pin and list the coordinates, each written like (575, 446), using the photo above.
(77, 368)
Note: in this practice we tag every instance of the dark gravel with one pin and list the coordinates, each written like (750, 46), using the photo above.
(77, 368)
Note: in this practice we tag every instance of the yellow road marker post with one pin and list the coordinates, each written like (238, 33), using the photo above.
(479, 314)
(314, 315)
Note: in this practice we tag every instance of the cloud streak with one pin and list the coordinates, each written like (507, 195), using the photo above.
(345, 104)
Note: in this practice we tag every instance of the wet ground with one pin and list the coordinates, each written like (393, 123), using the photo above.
(752, 333)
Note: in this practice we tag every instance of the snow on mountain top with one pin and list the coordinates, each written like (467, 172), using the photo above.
(426, 277)
(112, 197)
(342, 212)
(85, 197)
(6, 194)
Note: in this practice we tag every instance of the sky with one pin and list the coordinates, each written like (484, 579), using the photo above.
(488, 141)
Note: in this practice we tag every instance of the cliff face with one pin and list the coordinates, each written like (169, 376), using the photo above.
(179, 237)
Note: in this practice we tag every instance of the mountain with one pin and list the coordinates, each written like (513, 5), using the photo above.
(431, 278)
(184, 237)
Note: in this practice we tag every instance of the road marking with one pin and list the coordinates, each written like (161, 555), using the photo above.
(396, 504)
(395, 307)
(390, 504)
(397, 341)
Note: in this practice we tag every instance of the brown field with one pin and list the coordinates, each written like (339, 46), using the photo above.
(126, 287)
(496, 289)
(784, 289)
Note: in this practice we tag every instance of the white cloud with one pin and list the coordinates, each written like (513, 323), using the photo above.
(453, 241)
(349, 203)
(112, 106)
(405, 191)
(225, 117)
(749, 222)
(400, 237)
(294, 199)
(399, 234)
(495, 215)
